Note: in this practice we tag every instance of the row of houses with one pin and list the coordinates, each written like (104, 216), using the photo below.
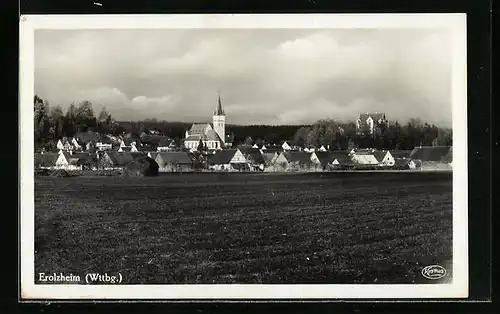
(255, 159)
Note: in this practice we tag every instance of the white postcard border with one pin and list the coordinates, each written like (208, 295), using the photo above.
(456, 23)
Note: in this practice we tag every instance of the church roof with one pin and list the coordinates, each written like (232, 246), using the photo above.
(199, 128)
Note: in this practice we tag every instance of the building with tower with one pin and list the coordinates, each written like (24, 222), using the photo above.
(368, 123)
(213, 135)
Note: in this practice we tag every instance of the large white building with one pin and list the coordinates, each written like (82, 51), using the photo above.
(368, 122)
(212, 135)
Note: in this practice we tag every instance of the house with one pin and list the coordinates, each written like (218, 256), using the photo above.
(116, 160)
(433, 158)
(254, 157)
(366, 158)
(430, 153)
(367, 123)
(415, 164)
(322, 148)
(46, 160)
(285, 146)
(104, 144)
(212, 135)
(127, 143)
(60, 145)
(131, 149)
(263, 147)
(173, 162)
(228, 160)
(152, 155)
(341, 160)
(255, 146)
(85, 160)
(384, 158)
(77, 144)
(269, 157)
(166, 145)
(67, 161)
(309, 149)
(401, 163)
(293, 161)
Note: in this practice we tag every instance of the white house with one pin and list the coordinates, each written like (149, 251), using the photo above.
(77, 145)
(103, 146)
(322, 149)
(131, 149)
(368, 122)
(60, 145)
(67, 162)
(384, 158)
(285, 146)
(364, 158)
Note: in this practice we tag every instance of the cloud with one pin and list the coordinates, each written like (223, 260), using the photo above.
(279, 76)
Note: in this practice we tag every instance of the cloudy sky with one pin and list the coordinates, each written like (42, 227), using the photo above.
(265, 76)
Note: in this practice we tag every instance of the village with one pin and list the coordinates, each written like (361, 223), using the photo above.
(206, 148)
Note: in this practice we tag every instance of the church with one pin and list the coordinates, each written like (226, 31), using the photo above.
(213, 135)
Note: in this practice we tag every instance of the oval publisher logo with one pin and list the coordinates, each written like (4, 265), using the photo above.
(433, 272)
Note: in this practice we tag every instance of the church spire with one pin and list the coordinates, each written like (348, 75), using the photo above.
(219, 111)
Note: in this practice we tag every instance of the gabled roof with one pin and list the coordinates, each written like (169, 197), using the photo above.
(401, 162)
(253, 154)
(400, 153)
(46, 159)
(121, 159)
(166, 142)
(198, 128)
(301, 157)
(429, 153)
(342, 158)
(380, 154)
(173, 157)
(222, 157)
(268, 156)
(212, 136)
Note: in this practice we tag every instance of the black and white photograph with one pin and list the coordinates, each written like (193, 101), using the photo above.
(243, 156)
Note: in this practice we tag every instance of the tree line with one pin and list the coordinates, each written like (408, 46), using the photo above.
(52, 123)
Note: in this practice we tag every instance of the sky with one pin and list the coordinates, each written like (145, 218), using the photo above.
(263, 76)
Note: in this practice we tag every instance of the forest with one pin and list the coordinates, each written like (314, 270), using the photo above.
(52, 123)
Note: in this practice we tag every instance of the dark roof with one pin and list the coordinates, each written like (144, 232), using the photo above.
(429, 153)
(252, 154)
(170, 157)
(325, 157)
(401, 162)
(273, 150)
(121, 159)
(379, 154)
(166, 142)
(400, 153)
(87, 136)
(46, 159)
(222, 157)
(342, 157)
(301, 157)
(268, 156)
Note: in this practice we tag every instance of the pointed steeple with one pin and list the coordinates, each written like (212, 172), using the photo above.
(219, 111)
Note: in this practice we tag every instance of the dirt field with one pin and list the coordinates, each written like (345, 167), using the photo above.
(246, 228)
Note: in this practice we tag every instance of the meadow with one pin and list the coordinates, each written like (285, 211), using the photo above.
(213, 228)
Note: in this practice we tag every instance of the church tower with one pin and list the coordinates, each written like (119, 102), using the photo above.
(219, 121)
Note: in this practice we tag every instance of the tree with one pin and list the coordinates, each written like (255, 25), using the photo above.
(41, 120)
(200, 146)
(85, 116)
(248, 140)
(57, 121)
